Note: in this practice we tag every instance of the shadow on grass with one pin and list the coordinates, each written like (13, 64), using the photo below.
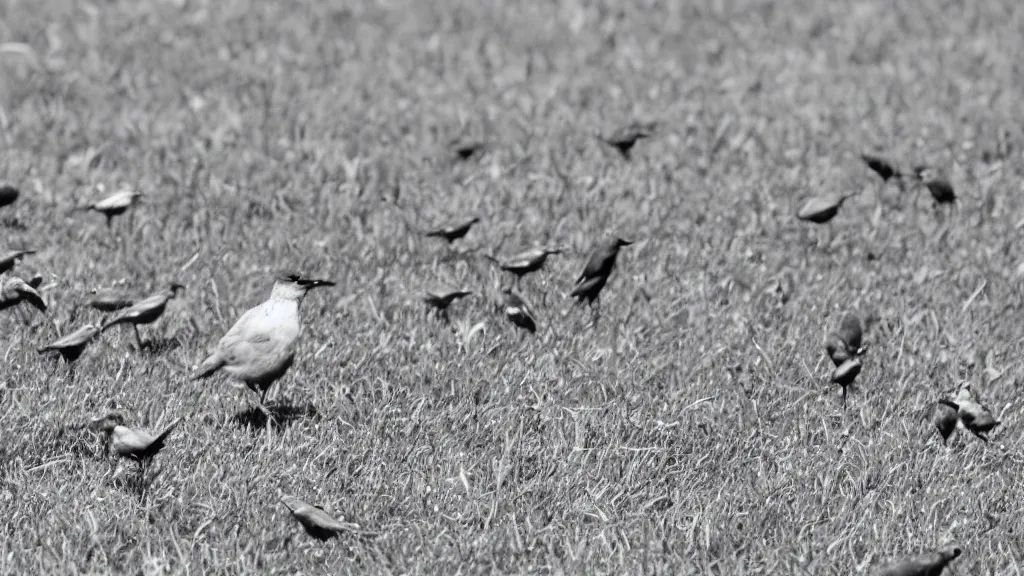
(136, 481)
(14, 223)
(157, 346)
(280, 416)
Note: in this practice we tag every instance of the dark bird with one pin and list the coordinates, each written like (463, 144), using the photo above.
(71, 346)
(466, 149)
(14, 291)
(822, 209)
(316, 521)
(880, 166)
(452, 232)
(945, 418)
(114, 205)
(144, 311)
(845, 374)
(624, 138)
(439, 299)
(596, 273)
(260, 347)
(937, 184)
(518, 312)
(525, 262)
(976, 418)
(929, 564)
(846, 340)
(106, 300)
(8, 195)
(136, 445)
(8, 260)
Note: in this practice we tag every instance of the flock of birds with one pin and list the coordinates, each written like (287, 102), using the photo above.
(261, 345)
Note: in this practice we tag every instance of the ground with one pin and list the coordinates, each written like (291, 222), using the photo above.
(692, 431)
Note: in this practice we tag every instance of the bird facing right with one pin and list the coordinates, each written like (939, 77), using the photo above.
(518, 312)
(315, 520)
(928, 564)
(596, 273)
(261, 346)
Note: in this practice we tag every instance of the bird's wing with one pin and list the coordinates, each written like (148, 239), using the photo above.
(128, 441)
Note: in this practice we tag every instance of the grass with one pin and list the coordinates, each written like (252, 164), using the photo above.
(693, 431)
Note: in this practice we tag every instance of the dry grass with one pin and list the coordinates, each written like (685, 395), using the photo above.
(693, 431)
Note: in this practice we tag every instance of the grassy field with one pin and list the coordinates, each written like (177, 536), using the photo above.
(693, 431)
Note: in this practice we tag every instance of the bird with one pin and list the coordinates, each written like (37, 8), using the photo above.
(144, 311)
(115, 204)
(11, 258)
(316, 521)
(466, 149)
(525, 262)
(136, 445)
(928, 564)
(845, 374)
(107, 300)
(14, 291)
(261, 346)
(822, 209)
(880, 166)
(518, 311)
(937, 184)
(8, 195)
(624, 138)
(439, 299)
(452, 232)
(595, 274)
(70, 346)
(976, 418)
(945, 418)
(845, 341)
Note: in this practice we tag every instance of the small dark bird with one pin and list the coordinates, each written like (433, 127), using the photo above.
(624, 138)
(937, 184)
(439, 299)
(596, 273)
(518, 312)
(136, 445)
(71, 346)
(145, 311)
(945, 418)
(315, 521)
(930, 564)
(452, 232)
(106, 300)
(8, 195)
(14, 291)
(822, 209)
(525, 262)
(845, 374)
(466, 149)
(8, 260)
(846, 340)
(976, 418)
(114, 205)
(880, 166)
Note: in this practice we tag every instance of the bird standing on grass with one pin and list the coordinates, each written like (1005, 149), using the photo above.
(136, 445)
(439, 299)
(822, 209)
(8, 195)
(517, 311)
(452, 232)
(881, 166)
(976, 418)
(596, 273)
(261, 346)
(845, 374)
(10, 259)
(846, 340)
(623, 139)
(70, 346)
(114, 205)
(944, 417)
(937, 184)
(525, 262)
(14, 291)
(928, 564)
(145, 311)
(316, 521)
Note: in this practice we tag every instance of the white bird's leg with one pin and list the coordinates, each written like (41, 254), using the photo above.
(138, 339)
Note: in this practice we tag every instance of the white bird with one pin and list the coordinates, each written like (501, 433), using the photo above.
(260, 347)
(115, 204)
